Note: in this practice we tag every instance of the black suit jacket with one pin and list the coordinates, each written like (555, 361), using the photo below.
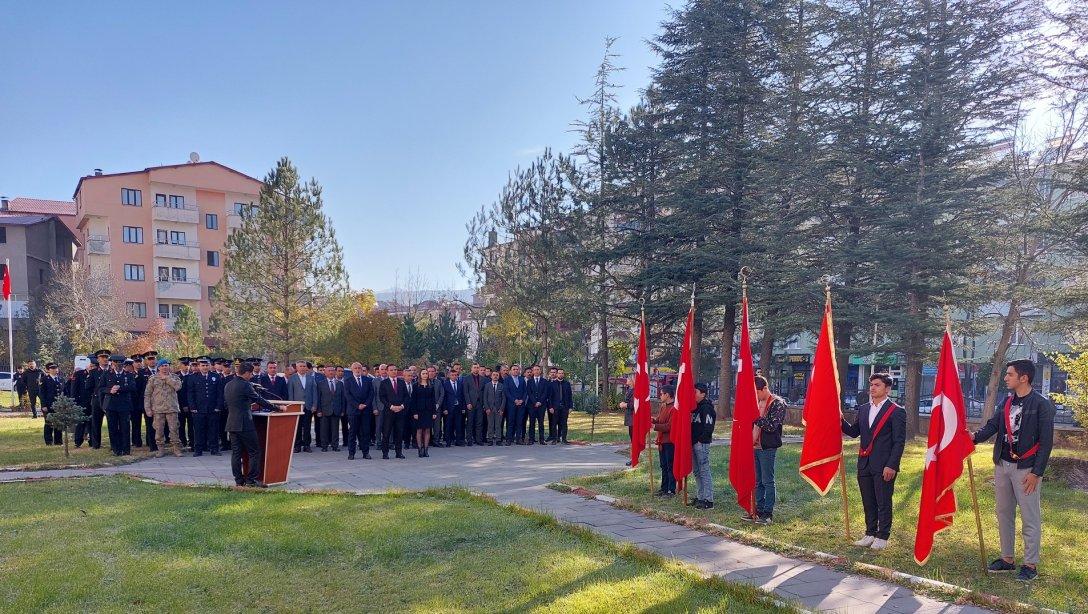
(392, 393)
(562, 395)
(1036, 426)
(274, 388)
(330, 401)
(539, 392)
(239, 395)
(356, 394)
(50, 390)
(889, 443)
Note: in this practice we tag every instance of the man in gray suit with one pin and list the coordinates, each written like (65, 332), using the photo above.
(301, 387)
(494, 402)
(475, 419)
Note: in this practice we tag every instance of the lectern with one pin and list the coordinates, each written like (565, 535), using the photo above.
(276, 435)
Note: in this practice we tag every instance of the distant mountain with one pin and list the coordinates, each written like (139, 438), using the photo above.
(424, 295)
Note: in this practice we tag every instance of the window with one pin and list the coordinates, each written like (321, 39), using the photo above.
(164, 273)
(164, 310)
(793, 343)
(132, 198)
(212, 293)
(177, 237)
(161, 237)
(160, 200)
(213, 258)
(177, 202)
(239, 208)
(175, 310)
(3, 234)
(178, 273)
(132, 234)
(211, 221)
(1017, 336)
(134, 272)
(137, 310)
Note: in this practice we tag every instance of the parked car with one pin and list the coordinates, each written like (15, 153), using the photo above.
(5, 381)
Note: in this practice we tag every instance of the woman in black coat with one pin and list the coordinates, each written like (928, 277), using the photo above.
(423, 412)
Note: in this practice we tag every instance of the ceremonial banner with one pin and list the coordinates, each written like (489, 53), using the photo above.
(742, 466)
(821, 452)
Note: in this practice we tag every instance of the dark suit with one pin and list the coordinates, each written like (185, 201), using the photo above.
(118, 407)
(93, 385)
(886, 451)
(562, 401)
(186, 428)
(202, 396)
(393, 392)
(82, 393)
(453, 406)
(239, 396)
(475, 421)
(330, 404)
(356, 393)
(224, 441)
(409, 421)
(516, 390)
(50, 390)
(137, 417)
(274, 389)
(539, 392)
(308, 396)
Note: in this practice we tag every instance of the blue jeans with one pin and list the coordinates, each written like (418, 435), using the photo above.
(765, 490)
(668, 482)
(701, 454)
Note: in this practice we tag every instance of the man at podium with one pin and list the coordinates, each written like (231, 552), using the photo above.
(239, 396)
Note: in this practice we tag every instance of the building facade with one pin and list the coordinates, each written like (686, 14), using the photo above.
(161, 233)
(34, 244)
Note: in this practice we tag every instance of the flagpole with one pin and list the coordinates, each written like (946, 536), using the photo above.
(842, 457)
(650, 462)
(970, 465)
(695, 361)
(11, 343)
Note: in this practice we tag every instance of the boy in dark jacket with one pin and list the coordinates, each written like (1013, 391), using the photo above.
(767, 439)
(702, 433)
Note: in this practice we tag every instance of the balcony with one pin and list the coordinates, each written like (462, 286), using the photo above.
(234, 221)
(186, 251)
(184, 214)
(180, 290)
(98, 244)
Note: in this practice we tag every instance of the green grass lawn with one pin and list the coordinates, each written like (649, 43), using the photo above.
(118, 544)
(805, 519)
(609, 428)
(22, 446)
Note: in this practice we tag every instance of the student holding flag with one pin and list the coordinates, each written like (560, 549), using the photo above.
(1025, 437)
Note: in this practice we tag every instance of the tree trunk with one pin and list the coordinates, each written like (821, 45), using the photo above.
(604, 359)
(913, 393)
(997, 368)
(766, 352)
(66, 454)
(725, 377)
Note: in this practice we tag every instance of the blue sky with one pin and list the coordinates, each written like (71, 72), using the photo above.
(410, 114)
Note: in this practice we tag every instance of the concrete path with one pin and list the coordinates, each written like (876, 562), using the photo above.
(518, 474)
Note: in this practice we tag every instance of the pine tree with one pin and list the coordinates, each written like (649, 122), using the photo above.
(413, 339)
(188, 333)
(298, 293)
(446, 339)
(64, 415)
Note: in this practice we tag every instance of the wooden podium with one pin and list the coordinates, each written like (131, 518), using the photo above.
(276, 435)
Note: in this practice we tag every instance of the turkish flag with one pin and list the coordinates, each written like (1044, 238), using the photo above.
(7, 283)
(683, 404)
(949, 445)
(742, 465)
(821, 452)
(641, 420)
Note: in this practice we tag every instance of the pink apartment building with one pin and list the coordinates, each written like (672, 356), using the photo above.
(161, 233)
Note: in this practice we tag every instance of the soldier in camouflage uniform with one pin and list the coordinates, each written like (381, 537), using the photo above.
(161, 404)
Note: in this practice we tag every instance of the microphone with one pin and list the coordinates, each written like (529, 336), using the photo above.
(262, 388)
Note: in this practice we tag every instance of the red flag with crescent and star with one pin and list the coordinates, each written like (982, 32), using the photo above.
(641, 420)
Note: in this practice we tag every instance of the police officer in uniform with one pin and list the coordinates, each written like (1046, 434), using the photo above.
(50, 390)
(185, 417)
(203, 396)
(116, 388)
(94, 386)
(82, 394)
(146, 371)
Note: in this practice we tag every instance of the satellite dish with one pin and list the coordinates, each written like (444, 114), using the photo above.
(194, 157)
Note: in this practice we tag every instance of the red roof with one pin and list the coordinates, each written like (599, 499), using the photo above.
(152, 168)
(40, 205)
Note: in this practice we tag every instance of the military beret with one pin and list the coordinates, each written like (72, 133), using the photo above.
(161, 362)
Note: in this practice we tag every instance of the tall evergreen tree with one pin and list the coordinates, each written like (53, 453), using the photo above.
(297, 293)
(446, 339)
(189, 333)
(413, 339)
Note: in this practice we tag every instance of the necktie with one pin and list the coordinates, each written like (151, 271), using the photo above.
(332, 385)
(409, 389)
(359, 380)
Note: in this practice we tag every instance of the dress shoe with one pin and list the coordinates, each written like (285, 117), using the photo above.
(298, 450)
(216, 453)
(306, 449)
(196, 454)
(336, 448)
(532, 442)
(324, 448)
(367, 457)
(351, 457)
(399, 455)
(385, 456)
(256, 484)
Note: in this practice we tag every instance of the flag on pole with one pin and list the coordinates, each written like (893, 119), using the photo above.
(821, 452)
(641, 420)
(742, 465)
(949, 445)
(7, 283)
(683, 404)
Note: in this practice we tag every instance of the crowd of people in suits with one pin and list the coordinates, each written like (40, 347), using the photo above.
(358, 408)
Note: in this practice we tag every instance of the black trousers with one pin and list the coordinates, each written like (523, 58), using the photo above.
(186, 429)
(536, 422)
(665, 456)
(552, 432)
(33, 398)
(52, 435)
(359, 432)
(224, 441)
(205, 432)
(345, 428)
(327, 434)
(393, 431)
(136, 419)
(83, 429)
(97, 416)
(302, 433)
(409, 429)
(876, 498)
(475, 425)
(455, 427)
(247, 440)
(562, 414)
(120, 426)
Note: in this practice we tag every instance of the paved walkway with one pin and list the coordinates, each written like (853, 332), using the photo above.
(518, 474)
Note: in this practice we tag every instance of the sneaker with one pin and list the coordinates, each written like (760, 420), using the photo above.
(764, 519)
(704, 505)
(879, 544)
(694, 503)
(1027, 574)
(865, 542)
(749, 517)
(1001, 566)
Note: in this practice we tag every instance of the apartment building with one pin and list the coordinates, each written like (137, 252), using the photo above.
(161, 233)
